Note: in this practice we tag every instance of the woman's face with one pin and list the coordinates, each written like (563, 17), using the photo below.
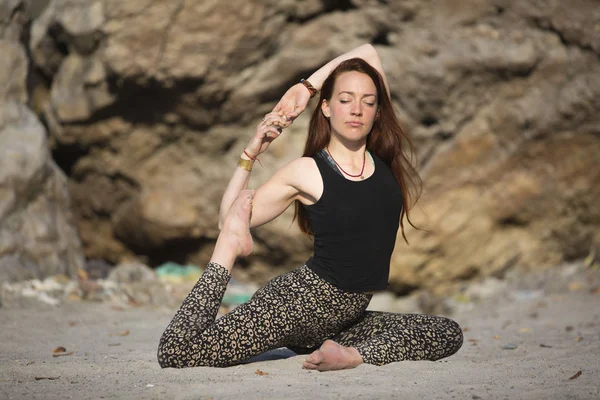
(353, 106)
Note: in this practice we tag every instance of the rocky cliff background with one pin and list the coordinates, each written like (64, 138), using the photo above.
(121, 122)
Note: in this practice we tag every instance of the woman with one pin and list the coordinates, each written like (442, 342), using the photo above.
(352, 190)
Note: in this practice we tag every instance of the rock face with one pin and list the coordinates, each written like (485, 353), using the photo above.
(149, 103)
(37, 236)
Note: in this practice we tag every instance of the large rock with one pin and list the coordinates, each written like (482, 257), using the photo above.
(149, 103)
(512, 168)
(36, 235)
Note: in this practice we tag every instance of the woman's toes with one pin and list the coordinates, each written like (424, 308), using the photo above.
(307, 365)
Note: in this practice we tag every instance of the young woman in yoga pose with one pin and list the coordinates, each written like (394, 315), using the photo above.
(352, 190)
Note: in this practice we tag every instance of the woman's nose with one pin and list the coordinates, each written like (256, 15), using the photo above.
(356, 109)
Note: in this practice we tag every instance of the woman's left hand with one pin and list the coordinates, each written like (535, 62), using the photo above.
(267, 130)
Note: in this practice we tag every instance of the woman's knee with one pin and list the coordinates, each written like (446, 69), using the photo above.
(174, 353)
(454, 334)
(168, 354)
(166, 358)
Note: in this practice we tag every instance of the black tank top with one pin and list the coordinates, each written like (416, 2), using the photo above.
(355, 225)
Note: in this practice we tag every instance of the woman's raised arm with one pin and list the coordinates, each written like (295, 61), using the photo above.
(294, 101)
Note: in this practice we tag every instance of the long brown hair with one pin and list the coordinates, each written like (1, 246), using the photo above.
(387, 140)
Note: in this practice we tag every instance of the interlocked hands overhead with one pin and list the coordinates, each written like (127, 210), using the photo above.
(289, 107)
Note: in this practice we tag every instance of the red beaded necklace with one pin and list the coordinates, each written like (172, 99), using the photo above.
(341, 169)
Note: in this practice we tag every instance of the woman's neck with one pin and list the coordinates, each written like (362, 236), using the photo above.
(347, 152)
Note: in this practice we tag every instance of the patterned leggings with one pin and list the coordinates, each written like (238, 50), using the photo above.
(298, 310)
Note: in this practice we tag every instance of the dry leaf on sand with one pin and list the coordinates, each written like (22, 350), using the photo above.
(124, 333)
(577, 375)
(61, 351)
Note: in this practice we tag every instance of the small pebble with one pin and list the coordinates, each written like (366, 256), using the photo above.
(509, 346)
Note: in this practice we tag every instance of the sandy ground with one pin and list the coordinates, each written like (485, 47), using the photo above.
(554, 327)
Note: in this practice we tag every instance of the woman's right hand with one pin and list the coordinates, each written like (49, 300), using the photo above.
(267, 130)
(293, 102)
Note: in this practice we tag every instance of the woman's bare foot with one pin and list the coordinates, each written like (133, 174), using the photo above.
(332, 356)
(235, 239)
(236, 228)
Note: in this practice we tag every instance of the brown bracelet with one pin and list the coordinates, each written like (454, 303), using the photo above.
(313, 91)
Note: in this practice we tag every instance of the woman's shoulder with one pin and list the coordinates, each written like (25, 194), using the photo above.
(303, 161)
(303, 174)
(298, 168)
(302, 167)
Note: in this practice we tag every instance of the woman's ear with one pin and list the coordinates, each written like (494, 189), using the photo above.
(325, 109)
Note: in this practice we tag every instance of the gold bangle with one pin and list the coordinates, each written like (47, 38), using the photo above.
(245, 164)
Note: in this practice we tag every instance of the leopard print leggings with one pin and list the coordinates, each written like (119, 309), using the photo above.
(298, 310)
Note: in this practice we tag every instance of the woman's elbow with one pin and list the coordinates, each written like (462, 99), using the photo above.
(369, 50)
(369, 47)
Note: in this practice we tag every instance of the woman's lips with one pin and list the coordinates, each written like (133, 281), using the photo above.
(354, 124)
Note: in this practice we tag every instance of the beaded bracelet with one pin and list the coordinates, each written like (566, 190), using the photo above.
(313, 91)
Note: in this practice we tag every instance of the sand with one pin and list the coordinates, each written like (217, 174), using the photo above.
(549, 333)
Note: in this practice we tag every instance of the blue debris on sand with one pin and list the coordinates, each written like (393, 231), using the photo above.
(237, 292)
(172, 272)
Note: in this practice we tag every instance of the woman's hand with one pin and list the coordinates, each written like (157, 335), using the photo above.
(267, 130)
(293, 102)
